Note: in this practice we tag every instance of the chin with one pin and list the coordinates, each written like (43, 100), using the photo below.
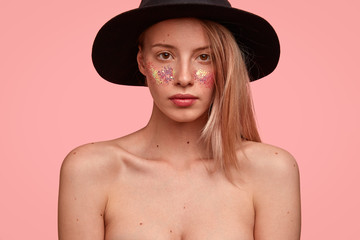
(181, 115)
(188, 117)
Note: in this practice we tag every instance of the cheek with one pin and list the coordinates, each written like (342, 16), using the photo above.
(205, 78)
(160, 75)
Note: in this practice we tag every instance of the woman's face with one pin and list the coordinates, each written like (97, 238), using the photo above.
(175, 59)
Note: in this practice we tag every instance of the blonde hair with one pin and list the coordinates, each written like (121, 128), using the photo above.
(231, 118)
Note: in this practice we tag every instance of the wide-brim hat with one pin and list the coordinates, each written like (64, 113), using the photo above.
(116, 44)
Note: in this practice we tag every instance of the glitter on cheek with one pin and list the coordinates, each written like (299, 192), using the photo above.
(162, 76)
(204, 77)
(166, 74)
(155, 76)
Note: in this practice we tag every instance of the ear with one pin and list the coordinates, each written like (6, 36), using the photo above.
(141, 61)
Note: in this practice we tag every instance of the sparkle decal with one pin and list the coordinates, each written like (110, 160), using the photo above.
(163, 76)
(166, 74)
(204, 77)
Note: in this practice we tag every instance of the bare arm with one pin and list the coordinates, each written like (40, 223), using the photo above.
(277, 197)
(82, 197)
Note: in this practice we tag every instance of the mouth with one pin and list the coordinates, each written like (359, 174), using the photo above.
(183, 100)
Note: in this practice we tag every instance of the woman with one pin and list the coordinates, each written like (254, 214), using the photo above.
(198, 169)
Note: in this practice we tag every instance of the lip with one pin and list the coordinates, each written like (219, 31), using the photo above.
(183, 100)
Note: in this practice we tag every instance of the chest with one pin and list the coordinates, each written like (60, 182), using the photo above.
(186, 208)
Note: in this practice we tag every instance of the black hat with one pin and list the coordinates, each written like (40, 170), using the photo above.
(116, 44)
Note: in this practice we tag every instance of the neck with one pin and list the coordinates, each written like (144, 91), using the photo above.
(175, 142)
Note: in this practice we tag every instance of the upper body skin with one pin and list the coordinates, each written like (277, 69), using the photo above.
(156, 184)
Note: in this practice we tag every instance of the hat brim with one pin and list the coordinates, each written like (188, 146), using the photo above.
(115, 46)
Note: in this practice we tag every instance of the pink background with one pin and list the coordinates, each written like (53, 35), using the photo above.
(52, 100)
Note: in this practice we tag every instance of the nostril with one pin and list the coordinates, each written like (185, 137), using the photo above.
(184, 79)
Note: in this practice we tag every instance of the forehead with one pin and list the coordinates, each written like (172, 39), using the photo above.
(176, 31)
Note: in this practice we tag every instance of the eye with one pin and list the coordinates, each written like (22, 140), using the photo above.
(164, 56)
(204, 57)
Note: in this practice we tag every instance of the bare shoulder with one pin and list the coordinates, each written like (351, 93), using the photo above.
(274, 178)
(268, 161)
(102, 160)
(93, 160)
(86, 177)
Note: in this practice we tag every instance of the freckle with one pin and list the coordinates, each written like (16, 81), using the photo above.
(77, 219)
(294, 165)
(74, 153)
(101, 214)
(170, 231)
(74, 198)
(92, 143)
(288, 212)
(184, 207)
(157, 145)
(140, 223)
(168, 35)
(276, 153)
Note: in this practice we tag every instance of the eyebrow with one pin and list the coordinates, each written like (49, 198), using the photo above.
(162, 45)
(172, 47)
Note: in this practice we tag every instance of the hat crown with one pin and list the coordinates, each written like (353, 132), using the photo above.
(151, 3)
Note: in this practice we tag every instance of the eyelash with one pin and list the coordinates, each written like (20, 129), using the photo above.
(169, 55)
(161, 55)
(208, 58)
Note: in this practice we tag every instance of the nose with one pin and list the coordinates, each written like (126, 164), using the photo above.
(183, 77)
